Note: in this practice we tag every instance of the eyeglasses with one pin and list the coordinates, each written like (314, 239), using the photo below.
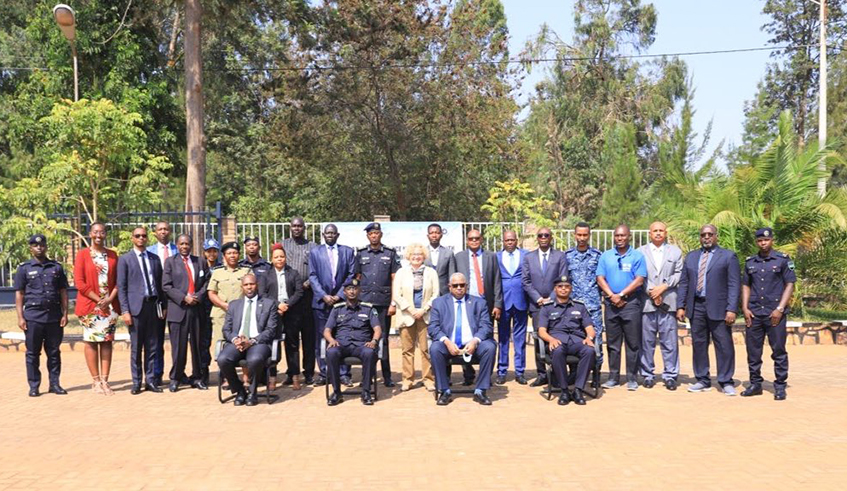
(459, 285)
(543, 236)
(140, 236)
(474, 238)
(707, 234)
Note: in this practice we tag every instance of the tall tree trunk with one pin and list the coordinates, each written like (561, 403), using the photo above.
(195, 182)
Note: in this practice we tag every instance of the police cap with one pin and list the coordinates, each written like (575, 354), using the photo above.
(39, 239)
(373, 226)
(211, 244)
(562, 279)
(766, 232)
(230, 245)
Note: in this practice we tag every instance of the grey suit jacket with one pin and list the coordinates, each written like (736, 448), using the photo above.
(491, 279)
(669, 272)
(445, 260)
(266, 319)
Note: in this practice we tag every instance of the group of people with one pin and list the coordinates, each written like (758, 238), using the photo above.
(445, 305)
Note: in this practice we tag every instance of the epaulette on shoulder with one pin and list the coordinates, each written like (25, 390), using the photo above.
(362, 249)
(219, 266)
(750, 257)
(23, 263)
(781, 254)
(366, 304)
(339, 304)
(578, 301)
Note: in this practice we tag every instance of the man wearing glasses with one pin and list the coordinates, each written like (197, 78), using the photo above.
(620, 274)
(540, 268)
(708, 296)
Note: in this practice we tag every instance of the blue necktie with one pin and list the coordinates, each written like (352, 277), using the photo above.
(512, 266)
(457, 330)
(543, 262)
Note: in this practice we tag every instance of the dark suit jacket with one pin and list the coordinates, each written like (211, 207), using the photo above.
(175, 285)
(445, 261)
(265, 320)
(513, 293)
(537, 285)
(442, 321)
(131, 283)
(320, 272)
(269, 286)
(491, 280)
(723, 283)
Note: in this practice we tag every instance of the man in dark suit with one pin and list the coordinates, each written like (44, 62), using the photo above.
(144, 309)
(330, 265)
(440, 257)
(708, 295)
(250, 328)
(283, 284)
(163, 249)
(513, 319)
(459, 324)
(184, 283)
(540, 268)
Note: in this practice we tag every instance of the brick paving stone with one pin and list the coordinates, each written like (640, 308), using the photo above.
(650, 438)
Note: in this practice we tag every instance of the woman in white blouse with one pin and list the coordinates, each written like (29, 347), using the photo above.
(414, 289)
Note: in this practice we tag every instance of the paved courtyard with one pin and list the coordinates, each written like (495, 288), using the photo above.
(627, 440)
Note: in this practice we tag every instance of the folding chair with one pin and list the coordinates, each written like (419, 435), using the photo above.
(457, 360)
(276, 351)
(544, 358)
(354, 361)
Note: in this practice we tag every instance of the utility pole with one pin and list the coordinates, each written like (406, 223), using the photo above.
(822, 103)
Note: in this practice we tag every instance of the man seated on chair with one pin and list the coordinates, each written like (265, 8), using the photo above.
(566, 326)
(352, 330)
(459, 324)
(250, 327)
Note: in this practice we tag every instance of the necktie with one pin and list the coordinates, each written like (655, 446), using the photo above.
(248, 319)
(543, 262)
(333, 263)
(512, 266)
(146, 275)
(457, 329)
(190, 275)
(165, 252)
(701, 271)
(478, 274)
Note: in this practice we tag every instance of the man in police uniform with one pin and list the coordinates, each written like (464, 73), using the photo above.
(41, 301)
(767, 288)
(225, 284)
(211, 251)
(582, 270)
(568, 329)
(254, 259)
(374, 266)
(353, 329)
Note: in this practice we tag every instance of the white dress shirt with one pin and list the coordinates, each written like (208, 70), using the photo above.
(512, 259)
(467, 333)
(433, 256)
(658, 254)
(282, 292)
(144, 258)
(542, 256)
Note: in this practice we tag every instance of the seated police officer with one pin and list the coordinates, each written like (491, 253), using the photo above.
(352, 330)
(250, 327)
(41, 301)
(567, 328)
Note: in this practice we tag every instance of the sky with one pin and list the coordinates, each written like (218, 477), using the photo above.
(722, 82)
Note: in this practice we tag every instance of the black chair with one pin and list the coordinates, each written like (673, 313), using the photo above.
(543, 357)
(272, 361)
(355, 361)
(457, 360)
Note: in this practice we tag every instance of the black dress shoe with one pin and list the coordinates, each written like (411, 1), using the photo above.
(670, 384)
(521, 380)
(564, 398)
(320, 381)
(288, 380)
(240, 398)
(444, 399)
(309, 380)
(173, 386)
(57, 389)
(779, 394)
(539, 381)
(335, 399)
(252, 399)
(200, 385)
(152, 388)
(135, 390)
(649, 383)
(388, 383)
(753, 390)
(501, 379)
(34, 393)
(347, 381)
(367, 400)
(482, 398)
(467, 382)
(577, 397)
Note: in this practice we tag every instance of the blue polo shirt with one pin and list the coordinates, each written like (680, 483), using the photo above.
(620, 269)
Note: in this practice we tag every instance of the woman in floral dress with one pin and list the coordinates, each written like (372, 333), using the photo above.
(95, 276)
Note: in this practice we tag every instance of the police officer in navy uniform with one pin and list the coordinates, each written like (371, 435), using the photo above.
(211, 250)
(41, 301)
(353, 329)
(374, 266)
(254, 259)
(567, 327)
(767, 288)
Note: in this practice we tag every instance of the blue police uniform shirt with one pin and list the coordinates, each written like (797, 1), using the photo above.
(376, 267)
(352, 325)
(259, 268)
(41, 284)
(563, 319)
(582, 270)
(620, 269)
(767, 277)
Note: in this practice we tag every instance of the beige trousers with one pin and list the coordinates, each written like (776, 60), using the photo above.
(409, 336)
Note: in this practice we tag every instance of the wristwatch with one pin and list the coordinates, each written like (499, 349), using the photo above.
(780, 309)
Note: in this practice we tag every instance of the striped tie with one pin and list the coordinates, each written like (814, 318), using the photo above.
(701, 271)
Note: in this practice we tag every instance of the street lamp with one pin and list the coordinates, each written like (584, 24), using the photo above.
(66, 19)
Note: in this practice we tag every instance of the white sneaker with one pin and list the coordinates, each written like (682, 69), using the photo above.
(729, 390)
(699, 387)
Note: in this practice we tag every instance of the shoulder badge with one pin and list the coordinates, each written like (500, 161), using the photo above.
(339, 304)
(791, 265)
(750, 257)
(219, 266)
(577, 301)
(366, 304)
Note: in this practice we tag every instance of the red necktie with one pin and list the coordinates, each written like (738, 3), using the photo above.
(478, 274)
(190, 276)
(165, 251)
